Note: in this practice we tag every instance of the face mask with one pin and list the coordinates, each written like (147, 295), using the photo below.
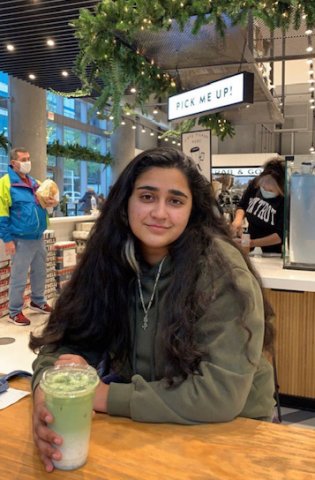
(266, 194)
(25, 167)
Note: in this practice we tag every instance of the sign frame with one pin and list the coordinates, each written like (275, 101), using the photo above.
(200, 142)
(198, 100)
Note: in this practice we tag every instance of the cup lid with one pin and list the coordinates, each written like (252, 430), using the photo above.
(69, 380)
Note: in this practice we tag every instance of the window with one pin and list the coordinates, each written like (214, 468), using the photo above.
(71, 135)
(52, 102)
(72, 108)
(4, 121)
(52, 132)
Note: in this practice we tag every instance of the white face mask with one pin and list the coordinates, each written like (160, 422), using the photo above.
(25, 167)
(267, 194)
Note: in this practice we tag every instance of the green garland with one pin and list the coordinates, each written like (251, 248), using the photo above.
(109, 65)
(77, 152)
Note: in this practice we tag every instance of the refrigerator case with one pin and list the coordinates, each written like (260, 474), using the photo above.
(299, 238)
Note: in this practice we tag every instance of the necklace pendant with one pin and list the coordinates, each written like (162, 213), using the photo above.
(145, 322)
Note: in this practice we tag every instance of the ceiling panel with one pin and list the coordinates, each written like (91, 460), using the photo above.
(27, 25)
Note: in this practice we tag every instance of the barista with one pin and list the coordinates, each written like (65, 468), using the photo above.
(263, 206)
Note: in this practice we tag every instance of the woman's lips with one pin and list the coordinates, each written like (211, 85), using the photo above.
(157, 228)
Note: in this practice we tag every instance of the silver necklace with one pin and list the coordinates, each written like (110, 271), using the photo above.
(146, 309)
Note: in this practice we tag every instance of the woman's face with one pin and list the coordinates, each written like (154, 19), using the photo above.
(158, 210)
(270, 184)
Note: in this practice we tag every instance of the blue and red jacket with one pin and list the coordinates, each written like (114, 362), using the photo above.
(21, 215)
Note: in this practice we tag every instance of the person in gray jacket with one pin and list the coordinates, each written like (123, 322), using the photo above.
(165, 305)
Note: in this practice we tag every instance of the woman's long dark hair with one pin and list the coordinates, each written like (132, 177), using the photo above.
(91, 312)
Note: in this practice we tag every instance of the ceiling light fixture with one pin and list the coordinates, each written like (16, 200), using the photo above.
(133, 90)
(10, 47)
(64, 73)
(143, 130)
(50, 42)
(134, 127)
(32, 76)
(123, 123)
(152, 134)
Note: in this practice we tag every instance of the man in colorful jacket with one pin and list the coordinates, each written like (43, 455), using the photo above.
(22, 223)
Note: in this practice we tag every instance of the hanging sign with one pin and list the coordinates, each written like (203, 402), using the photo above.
(212, 97)
(197, 145)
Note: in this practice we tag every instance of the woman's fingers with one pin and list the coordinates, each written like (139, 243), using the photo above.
(70, 358)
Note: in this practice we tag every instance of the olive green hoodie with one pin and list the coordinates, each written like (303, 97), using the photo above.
(235, 379)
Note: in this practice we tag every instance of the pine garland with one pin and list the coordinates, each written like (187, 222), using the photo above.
(109, 64)
(76, 152)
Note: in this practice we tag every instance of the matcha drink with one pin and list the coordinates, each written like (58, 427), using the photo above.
(69, 392)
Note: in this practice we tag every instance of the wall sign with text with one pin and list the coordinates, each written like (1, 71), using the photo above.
(237, 171)
(197, 145)
(212, 97)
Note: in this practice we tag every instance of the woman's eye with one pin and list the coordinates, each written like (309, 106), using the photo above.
(176, 201)
(146, 197)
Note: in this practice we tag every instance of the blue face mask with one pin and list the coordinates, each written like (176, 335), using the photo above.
(266, 194)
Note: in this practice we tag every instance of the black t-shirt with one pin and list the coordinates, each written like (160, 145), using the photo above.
(264, 216)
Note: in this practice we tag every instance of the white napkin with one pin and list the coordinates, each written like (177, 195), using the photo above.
(12, 395)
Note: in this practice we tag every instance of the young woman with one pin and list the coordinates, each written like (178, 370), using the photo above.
(166, 303)
(263, 205)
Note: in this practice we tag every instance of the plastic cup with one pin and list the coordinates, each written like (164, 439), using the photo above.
(245, 242)
(69, 392)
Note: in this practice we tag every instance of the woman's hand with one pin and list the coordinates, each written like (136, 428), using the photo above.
(68, 358)
(45, 439)
(101, 393)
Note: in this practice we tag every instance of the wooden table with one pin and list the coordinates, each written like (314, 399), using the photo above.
(125, 450)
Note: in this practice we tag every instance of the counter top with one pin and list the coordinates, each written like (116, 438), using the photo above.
(121, 449)
(273, 275)
(73, 219)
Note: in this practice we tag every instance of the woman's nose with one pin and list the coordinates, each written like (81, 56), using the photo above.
(159, 210)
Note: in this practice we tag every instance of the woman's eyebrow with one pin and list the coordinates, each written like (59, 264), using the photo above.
(178, 193)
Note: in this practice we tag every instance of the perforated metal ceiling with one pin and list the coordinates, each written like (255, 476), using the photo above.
(27, 25)
(196, 60)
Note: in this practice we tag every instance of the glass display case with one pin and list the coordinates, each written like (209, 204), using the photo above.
(299, 213)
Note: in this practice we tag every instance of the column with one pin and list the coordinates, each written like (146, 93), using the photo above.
(122, 148)
(28, 123)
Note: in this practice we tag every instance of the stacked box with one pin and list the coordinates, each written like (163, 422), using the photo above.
(50, 285)
(80, 235)
(66, 260)
(4, 286)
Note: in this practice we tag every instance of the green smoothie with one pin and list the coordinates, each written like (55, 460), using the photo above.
(69, 392)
